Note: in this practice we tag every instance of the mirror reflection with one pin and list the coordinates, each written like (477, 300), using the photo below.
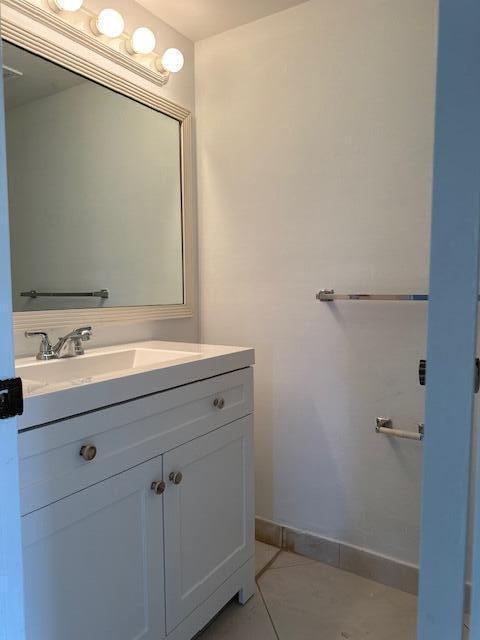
(95, 199)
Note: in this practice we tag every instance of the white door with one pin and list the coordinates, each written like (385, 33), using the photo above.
(93, 562)
(452, 325)
(208, 515)
(11, 587)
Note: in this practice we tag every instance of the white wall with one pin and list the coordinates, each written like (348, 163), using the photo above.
(315, 159)
(180, 89)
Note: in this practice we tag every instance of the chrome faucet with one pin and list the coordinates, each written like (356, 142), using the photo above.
(66, 347)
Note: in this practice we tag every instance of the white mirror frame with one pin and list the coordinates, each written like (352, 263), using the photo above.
(13, 32)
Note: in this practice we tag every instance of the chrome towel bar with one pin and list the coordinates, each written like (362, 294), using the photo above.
(103, 293)
(329, 295)
(385, 426)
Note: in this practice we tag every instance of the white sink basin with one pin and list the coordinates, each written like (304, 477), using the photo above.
(84, 369)
(105, 376)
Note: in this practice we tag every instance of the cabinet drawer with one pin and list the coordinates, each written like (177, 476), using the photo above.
(125, 435)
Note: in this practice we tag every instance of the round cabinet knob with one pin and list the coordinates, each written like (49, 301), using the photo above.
(219, 403)
(176, 477)
(88, 452)
(158, 487)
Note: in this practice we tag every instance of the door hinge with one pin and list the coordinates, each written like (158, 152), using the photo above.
(11, 398)
(422, 374)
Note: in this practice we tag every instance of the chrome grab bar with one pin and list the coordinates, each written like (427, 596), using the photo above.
(329, 295)
(385, 426)
(33, 293)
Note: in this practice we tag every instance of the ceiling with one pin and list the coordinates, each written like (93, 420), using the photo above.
(198, 19)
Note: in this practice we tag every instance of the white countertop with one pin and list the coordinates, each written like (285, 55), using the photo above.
(47, 403)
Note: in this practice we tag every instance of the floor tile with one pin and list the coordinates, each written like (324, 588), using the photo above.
(264, 554)
(287, 559)
(250, 622)
(308, 600)
(313, 601)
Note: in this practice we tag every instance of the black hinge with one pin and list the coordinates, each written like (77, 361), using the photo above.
(11, 398)
(422, 374)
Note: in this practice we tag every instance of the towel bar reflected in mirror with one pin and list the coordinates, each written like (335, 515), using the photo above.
(103, 293)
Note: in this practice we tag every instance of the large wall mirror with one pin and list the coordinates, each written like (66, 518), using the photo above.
(96, 184)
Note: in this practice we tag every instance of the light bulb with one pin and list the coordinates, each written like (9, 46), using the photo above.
(142, 41)
(66, 5)
(109, 23)
(172, 60)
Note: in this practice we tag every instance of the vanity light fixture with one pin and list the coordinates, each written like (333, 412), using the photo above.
(172, 61)
(142, 41)
(109, 22)
(65, 5)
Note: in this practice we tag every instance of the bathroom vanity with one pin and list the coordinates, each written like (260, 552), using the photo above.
(136, 476)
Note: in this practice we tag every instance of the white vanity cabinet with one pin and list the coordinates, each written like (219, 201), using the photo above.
(93, 562)
(151, 537)
(208, 515)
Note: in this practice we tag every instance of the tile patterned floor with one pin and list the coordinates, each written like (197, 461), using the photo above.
(264, 554)
(302, 599)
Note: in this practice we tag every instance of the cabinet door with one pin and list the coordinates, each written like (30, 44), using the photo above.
(93, 562)
(209, 520)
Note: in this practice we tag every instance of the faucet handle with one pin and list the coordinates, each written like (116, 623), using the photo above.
(84, 333)
(46, 351)
(77, 336)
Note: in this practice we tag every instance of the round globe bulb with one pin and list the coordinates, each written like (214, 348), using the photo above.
(110, 23)
(173, 60)
(68, 5)
(143, 40)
